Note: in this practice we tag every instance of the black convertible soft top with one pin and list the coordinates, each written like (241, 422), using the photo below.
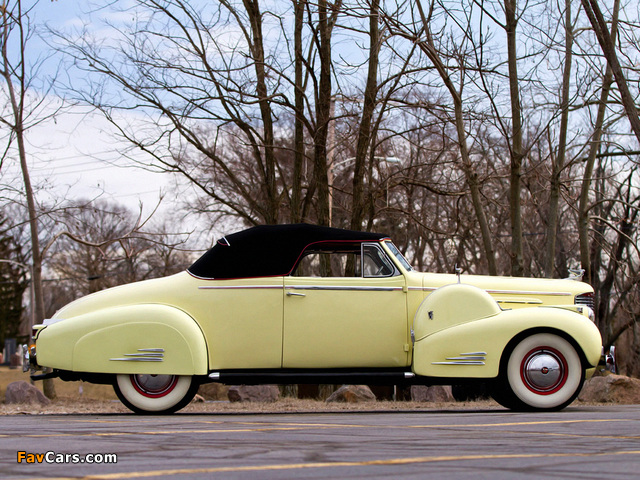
(268, 250)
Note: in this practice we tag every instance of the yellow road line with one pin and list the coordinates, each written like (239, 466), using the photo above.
(450, 425)
(573, 435)
(268, 427)
(544, 422)
(158, 432)
(299, 466)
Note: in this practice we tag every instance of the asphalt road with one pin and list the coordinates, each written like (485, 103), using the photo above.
(579, 442)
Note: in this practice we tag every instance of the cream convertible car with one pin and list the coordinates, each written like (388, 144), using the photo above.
(305, 304)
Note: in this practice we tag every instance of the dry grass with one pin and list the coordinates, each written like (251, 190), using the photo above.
(67, 390)
(73, 397)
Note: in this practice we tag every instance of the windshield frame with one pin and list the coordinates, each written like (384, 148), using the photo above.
(402, 260)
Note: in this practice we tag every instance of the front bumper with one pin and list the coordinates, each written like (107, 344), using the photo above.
(608, 360)
(29, 358)
(29, 363)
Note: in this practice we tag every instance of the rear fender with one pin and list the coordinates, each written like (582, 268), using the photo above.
(151, 339)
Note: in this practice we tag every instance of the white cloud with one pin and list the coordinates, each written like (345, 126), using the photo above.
(75, 156)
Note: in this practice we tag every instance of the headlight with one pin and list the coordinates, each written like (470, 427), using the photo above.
(587, 311)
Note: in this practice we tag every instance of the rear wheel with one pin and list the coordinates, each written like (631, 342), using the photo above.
(543, 372)
(144, 393)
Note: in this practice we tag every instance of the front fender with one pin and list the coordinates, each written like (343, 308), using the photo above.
(151, 339)
(474, 349)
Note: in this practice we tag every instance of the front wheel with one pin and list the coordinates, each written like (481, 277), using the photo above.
(157, 394)
(543, 372)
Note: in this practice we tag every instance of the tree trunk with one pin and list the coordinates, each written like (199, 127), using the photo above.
(624, 234)
(467, 166)
(298, 142)
(36, 272)
(583, 208)
(517, 246)
(323, 115)
(364, 133)
(269, 173)
(17, 111)
(558, 164)
(607, 44)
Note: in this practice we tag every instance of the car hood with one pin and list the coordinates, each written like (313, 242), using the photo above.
(513, 291)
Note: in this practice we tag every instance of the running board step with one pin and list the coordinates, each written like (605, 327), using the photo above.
(311, 378)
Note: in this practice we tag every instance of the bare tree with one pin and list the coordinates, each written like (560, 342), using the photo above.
(214, 101)
(365, 131)
(100, 244)
(594, 147)
(327, 17)
(516, 146)
(13, 281)
(431, 51)
(22, 112)
(296, 216)
(16, 27)
(606, 41)
(616, 250)
(558, 161)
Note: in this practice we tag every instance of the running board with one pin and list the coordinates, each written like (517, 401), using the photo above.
(285, 377)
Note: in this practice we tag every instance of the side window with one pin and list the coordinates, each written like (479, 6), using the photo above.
(366, 260)
(375, 262)
(330, 263)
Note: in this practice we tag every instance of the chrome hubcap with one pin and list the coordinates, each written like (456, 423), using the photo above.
(544, 371)
(154, 385)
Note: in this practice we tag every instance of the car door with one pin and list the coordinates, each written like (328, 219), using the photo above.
(347, 321)
(243, 325)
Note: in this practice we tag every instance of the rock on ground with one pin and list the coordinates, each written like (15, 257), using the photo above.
(352, 394)
(23, 392)
(435, 393)
(611, 389)
(213, 391)
(254, 393)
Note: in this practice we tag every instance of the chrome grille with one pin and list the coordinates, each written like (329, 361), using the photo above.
(585, 299)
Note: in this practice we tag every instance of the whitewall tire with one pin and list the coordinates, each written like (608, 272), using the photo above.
(543, 372)
(155, 393)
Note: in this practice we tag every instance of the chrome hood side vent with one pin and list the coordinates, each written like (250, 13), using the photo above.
(143, 355)
(586, 299)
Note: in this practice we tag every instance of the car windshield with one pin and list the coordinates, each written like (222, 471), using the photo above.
(403, 261)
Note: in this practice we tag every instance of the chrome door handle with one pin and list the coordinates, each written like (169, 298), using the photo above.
(294, 294)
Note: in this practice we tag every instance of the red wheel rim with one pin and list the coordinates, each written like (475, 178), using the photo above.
(544, 370)
(154, 386)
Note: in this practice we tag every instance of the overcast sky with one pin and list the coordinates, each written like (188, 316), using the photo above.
(74, 155)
